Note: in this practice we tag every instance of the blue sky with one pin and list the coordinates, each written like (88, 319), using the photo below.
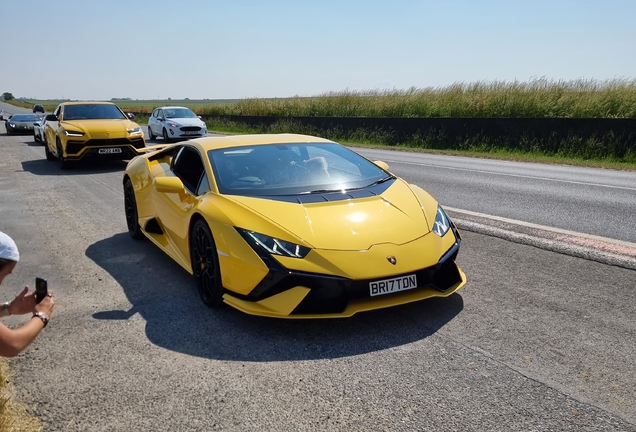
(81, 49)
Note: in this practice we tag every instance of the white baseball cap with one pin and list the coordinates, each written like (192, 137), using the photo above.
(8, 248)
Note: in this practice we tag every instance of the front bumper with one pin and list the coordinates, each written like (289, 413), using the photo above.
(126, 148)
(19, 129)
(186, 132)
(285, 293)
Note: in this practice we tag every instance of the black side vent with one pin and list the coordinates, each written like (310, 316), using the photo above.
(152, 226)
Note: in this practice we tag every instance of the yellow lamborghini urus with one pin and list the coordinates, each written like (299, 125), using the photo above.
(291, 226)
(82, 130)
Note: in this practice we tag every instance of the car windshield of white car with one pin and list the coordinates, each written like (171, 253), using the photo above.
(292, 169)
(179, 113)
(25, 118)
(92, 112)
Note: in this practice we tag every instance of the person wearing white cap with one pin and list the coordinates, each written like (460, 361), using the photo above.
(13, 341)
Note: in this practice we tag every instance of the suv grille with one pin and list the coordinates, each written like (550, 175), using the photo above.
(74, 147)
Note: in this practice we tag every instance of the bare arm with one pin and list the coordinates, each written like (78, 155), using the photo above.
(12, 342)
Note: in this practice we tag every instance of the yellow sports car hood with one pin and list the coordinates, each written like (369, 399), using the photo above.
(101, 129)
(349, 224)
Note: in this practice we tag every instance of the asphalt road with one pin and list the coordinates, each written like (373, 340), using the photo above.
(535, 341)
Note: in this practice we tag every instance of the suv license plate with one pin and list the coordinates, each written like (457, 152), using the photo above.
(109, 150)
(388, 286)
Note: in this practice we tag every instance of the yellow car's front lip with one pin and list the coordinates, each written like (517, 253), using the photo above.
(297, 294)
(283, 304)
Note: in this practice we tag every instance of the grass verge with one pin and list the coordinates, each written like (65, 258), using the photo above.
(14, 416)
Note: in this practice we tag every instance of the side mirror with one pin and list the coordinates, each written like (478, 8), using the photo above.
(168, 184)
(383, 165)
(51, 117)
(130, 115)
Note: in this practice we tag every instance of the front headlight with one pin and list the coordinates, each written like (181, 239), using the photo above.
(73, 133)
(135, 131)
(174, 125)
(442, 222)
(11, 124)
(273, 245)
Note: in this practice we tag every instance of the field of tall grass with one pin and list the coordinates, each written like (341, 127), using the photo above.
(537, 98)
(542, 97)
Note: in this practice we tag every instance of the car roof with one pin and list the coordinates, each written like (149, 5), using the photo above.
(87, 103)
(217, 142)
(173, 107)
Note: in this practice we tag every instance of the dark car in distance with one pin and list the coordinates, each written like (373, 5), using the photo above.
(21, 123)
(38, 108)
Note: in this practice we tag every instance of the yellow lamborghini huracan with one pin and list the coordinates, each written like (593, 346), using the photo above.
(291, 226)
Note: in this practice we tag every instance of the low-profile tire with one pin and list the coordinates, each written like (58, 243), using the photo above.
(205, 265)
(166, 138)
(130, 207)
(64, 164)
(151, 136)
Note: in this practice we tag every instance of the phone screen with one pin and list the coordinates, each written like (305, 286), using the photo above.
(41, 289)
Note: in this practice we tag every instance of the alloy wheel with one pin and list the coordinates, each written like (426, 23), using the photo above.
(130, 207)
(205, 265)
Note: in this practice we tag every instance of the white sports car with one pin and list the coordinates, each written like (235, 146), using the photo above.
(38, 130)
(175, 123)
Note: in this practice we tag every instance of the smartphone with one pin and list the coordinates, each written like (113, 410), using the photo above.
(41, 289)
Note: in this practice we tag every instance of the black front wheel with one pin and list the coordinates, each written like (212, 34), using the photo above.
(166, 138)
(151, 136)
(205, 265)
(130, 206)
(64, 164)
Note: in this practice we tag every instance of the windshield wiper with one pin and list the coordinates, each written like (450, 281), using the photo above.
(324, 191)
(383, 180)
(343, 190)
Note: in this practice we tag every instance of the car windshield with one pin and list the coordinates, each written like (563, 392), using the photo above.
(92, 112)
(25, 118)
(179, 113)
(291, 169)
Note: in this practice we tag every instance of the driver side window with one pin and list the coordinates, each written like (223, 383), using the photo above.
(187, 165)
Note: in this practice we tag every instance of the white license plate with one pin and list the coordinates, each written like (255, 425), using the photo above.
(109, 150)
(191, 133)
(388, 286)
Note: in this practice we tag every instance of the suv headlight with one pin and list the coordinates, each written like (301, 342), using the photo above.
(73, 133)
(442, 222)
(135, 131)
(273, 245)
